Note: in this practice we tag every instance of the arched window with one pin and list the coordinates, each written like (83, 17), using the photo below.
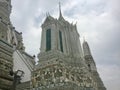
(48, 40)
(60, 38)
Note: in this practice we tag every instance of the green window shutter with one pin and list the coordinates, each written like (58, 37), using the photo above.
(48, 40)
(60, 38)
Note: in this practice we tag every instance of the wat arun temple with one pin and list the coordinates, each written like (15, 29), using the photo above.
(64, 62)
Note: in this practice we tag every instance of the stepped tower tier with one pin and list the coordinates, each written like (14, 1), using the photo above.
(61, 65)
(61, 36)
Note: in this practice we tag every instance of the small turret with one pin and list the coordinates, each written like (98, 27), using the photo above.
(60, 13)
(88, 57)
(86, 48)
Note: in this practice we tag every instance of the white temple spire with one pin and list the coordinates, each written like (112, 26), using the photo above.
(60, 13)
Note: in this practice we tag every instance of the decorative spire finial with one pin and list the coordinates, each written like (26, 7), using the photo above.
(60, 13)
(60, 9)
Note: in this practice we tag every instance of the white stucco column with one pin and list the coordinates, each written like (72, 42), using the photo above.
(43, 41)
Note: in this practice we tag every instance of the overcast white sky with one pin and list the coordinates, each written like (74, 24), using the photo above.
(97, 20)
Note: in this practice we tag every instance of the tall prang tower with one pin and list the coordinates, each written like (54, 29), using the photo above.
(9, 40)
(62, 64)
(92, 66)
(6, 48)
